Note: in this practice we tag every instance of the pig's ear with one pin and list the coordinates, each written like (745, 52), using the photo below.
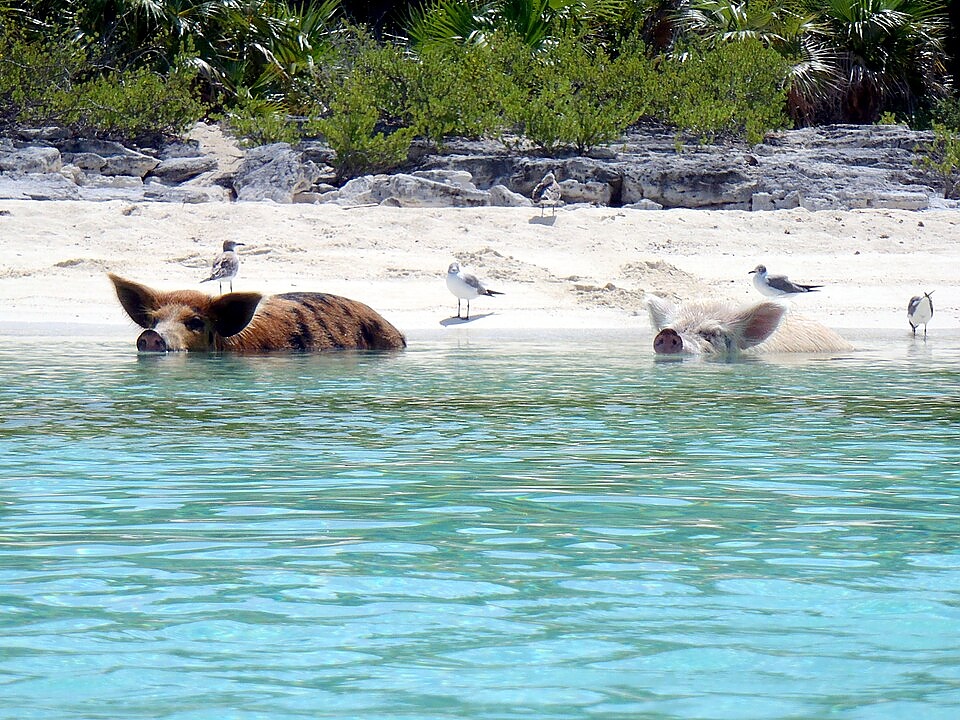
(138, 300)
(661, 311)
(759, 322)
(232, 312)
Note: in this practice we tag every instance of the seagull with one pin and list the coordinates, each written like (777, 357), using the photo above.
(777, 285)
(226, 265)
(547, 192)
(466, 287)
(919, 312)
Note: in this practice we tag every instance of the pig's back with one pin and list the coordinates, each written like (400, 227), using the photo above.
(799, 334)
(310, 321)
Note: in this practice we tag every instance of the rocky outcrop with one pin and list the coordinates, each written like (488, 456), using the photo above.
(838, 166)
(274, 172)
(815, 168)
(45, 165)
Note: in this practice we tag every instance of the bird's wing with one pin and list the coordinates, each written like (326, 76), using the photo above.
(538, 191)
(784, 284)
(224, 265)
(913, 304)
(472, 280)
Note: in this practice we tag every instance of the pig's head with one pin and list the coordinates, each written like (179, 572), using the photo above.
(711, 328)
(184, 319)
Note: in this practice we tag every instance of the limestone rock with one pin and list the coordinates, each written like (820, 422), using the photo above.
(180, 169)
(691, 183)
(274, 172)
(29, 158)
(403, 190)
(116, 159)
(37, 186)
(502, 196)
(585, 192)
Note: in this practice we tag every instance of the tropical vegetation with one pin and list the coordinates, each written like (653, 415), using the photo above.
(558, 75)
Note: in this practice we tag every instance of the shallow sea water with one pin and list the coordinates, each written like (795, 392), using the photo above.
(479, 528)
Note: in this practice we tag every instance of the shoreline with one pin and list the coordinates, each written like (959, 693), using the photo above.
(587, 268)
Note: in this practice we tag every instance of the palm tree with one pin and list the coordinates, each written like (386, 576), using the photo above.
(850, 59)
(890, 54)
(535, 21)
(236, 44)
(795, 34)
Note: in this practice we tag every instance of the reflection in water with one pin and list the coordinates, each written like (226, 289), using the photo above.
(479, 529)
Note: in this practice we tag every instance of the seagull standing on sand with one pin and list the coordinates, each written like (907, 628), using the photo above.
(777, 285)
(226, 265)
(466, 287)
(547, 192)
(919, 312)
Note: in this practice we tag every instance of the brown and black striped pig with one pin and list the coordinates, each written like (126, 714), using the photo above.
(249, 322)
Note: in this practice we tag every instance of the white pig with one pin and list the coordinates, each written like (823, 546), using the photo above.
(715, 327)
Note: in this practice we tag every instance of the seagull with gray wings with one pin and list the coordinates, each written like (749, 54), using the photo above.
(226, 265)
(919, 312)
(466, 286)
(777, 285)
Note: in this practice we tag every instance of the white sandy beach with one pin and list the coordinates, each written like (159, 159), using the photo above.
(587, 268)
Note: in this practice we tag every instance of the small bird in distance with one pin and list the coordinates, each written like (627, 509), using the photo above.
(226, 265)
(547, 192)
(466, 286)
(920, 311)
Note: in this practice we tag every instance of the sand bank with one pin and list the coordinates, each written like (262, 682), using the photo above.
(587, 268)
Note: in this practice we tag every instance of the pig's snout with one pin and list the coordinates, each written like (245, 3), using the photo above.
(667, 342)
(151, 341)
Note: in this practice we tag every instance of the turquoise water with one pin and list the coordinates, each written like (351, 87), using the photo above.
(479, 528)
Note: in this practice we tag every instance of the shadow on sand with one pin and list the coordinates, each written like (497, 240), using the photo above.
(463, 321)
(543, 220)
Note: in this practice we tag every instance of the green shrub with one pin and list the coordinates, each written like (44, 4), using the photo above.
(53, 82)
(578, 95)
(946, 112)
(135, 105)
(942, 157)
(31, 75)
(354, 131)
(735, 88)
(260, 122)
(454, 90)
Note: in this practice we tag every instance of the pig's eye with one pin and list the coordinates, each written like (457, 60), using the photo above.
(713, 336)
(194, 324)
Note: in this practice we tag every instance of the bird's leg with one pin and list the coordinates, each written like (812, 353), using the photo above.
(468, 311)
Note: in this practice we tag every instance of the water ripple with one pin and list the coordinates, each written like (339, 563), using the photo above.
(477, 531)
